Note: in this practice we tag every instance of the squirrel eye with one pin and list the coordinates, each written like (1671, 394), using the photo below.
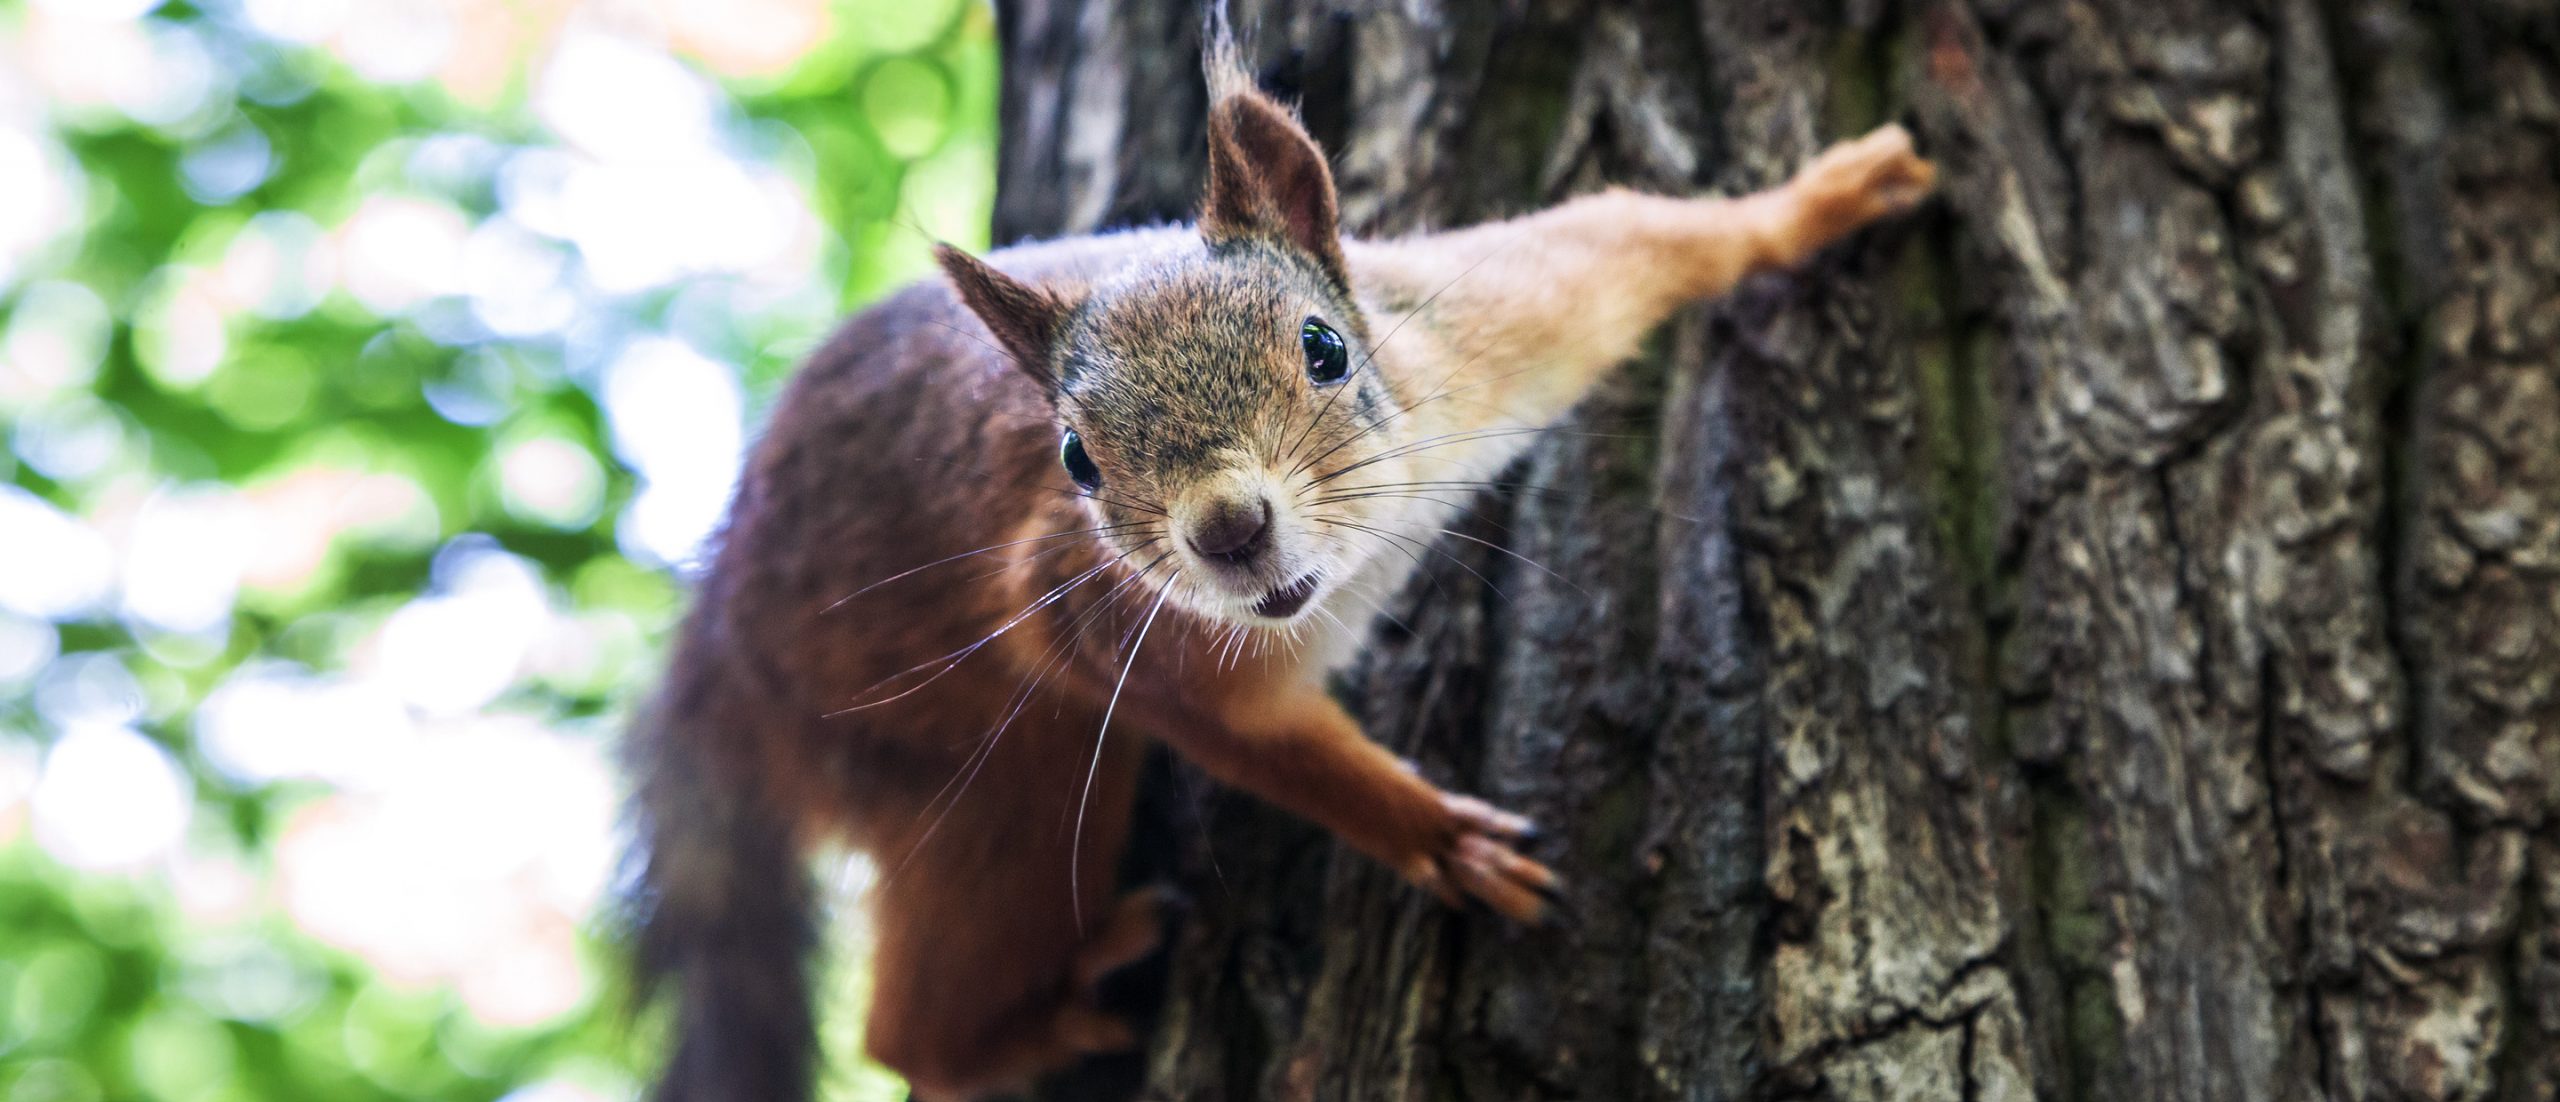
(1328, 362)
(1079, 465)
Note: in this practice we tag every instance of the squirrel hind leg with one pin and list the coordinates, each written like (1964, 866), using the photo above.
(1013, 1061)
(986, 973)
(953, 1051)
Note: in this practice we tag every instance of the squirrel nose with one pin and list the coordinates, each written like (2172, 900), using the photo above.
(1233, 531)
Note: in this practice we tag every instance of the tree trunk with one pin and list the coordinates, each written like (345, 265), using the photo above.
(2099, 639)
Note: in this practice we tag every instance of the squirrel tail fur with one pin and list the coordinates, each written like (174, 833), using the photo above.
(725, 923)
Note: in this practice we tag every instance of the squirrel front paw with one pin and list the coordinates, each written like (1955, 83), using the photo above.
(1473, 858)
(1861, 181)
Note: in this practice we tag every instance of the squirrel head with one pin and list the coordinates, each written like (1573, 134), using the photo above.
(1205, 396)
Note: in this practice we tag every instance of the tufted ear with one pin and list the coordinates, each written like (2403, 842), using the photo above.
(1024, 318)
(1268, 178)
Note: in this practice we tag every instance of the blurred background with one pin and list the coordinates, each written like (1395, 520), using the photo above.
(372, 373)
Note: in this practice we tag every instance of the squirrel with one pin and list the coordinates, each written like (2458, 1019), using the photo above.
(1007, 526)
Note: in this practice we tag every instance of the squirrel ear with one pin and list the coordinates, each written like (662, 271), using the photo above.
(1024, 318)
(1267, 178)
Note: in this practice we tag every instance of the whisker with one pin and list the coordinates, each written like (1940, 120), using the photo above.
(841, 601)
(1386, 489)
(1425, 304)
(1237, 637)
(1463, 436)
(1459, 506)
(1036, 556)
(1352, 381)
(1416, 560)
(958, 656)
(1075, 845)
(1462, 563)
(1129, 505)
(1430, 396)
(1523, 558)
(1378, 607)
(1051, 660)
(1514, 554)
(1371, 357)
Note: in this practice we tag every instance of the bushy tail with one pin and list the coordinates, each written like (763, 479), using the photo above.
(726, 924)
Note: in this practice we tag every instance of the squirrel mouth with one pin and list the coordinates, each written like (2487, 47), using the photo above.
(1284, 602)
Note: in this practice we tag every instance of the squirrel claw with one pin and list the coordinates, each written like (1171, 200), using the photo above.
(1478, 864)
(1488, 874)
(1426, 874)
(1484, 818)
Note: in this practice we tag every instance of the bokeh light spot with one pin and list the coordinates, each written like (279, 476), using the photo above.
(109, 800)
(552, 481)
(908, 103)
(52, 566)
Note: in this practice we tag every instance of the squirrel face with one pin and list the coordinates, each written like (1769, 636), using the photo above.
(1201, 400)
(1206, 398)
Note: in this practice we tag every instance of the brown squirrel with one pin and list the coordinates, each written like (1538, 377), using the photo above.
(1004, 529)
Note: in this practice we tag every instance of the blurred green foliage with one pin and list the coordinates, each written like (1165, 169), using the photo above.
(111, 986)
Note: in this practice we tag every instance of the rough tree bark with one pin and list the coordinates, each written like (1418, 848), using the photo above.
(2101, 640)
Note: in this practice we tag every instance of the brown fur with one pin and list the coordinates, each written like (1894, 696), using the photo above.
(1267, 179)
(812, 695)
